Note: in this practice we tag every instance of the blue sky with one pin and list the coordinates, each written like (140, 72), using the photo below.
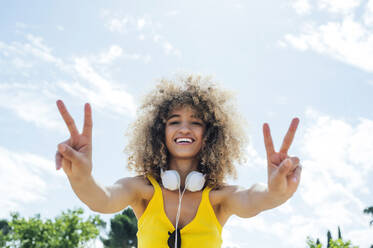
(284, 59)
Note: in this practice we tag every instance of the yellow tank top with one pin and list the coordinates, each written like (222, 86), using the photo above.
(153, 226)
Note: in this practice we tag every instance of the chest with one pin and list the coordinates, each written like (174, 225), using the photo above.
(189, 206)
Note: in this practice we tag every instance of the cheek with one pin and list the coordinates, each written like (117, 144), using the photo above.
(199, 133)
(168, 133)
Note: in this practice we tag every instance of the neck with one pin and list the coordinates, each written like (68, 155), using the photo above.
(183, 167)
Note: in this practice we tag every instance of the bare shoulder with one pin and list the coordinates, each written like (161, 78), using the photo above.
(222, 194)
(143, 191)
(139, 184)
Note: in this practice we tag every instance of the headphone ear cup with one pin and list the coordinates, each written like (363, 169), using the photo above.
(195, 181)
(170, 179)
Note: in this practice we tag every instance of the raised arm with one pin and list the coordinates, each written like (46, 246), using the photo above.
(283, 180)
(75, 157)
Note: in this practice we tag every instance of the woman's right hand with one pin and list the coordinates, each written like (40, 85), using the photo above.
(75, 154)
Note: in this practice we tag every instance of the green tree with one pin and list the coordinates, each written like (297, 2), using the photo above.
(329, 235)
(338, 243)
(68, 230)
(369, 210)
(123, 231)
(4, 230)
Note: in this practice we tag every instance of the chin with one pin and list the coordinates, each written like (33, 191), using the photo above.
(181, 155)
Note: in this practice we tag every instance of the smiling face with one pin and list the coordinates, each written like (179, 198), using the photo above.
(184, 133)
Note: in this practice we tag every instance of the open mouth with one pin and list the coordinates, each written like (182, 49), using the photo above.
(184, 141)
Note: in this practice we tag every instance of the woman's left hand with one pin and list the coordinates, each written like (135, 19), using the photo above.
(283, 171)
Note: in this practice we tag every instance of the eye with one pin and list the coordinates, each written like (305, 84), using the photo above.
(174, 122)
(197, 123)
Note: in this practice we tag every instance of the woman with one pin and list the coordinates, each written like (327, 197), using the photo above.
(184, 126)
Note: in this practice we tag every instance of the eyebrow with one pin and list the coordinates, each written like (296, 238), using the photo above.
(176, 115)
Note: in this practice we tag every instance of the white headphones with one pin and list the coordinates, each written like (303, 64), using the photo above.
(171, 180)
(193, 182)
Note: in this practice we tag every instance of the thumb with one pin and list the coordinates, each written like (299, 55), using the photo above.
(69, 153)
(285, 166)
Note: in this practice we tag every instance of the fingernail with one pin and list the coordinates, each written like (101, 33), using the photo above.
(294, 179)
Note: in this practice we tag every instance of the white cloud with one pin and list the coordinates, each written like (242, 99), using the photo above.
(302, 7)
(334, 188)
(99, 91)
(25, 178)
(28, 53)
(41, 51)
(140, 23)
(337, 6)
(349, 42)
(228, 239)
(32, 56)
(109, 56)
(127, 23)
(31, 103)
(21, 63)
(114, 52)
(254, 160)
(143, 26)
(118, 25)
(368, 14)
(344, 34)
(169, 49)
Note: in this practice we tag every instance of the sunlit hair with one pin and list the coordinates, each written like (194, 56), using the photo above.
(225, 139)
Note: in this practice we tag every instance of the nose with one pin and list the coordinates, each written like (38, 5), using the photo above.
(184, 128)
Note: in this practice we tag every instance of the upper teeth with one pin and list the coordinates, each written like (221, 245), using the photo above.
(184, 140)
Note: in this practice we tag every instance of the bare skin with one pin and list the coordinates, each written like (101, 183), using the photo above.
(283, 173)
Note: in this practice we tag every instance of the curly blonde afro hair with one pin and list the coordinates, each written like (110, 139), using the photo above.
(225, 139)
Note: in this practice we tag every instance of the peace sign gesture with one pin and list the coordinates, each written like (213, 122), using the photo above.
(75, 154)
(283, 171)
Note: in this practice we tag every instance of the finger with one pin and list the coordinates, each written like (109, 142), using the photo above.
(268, 140)
(294, 163)
(285, 167)
(295, 178)
(69, 153)
(66, 166)
(67, 118)
(87, 128)
(58, 159)
(289, 136)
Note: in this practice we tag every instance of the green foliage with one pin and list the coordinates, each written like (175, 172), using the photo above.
(339, 243)
(339, 233)
(329, 235)
(68, 230)
(369, 210)
(4, 230)
(123, 231)
(313, 244)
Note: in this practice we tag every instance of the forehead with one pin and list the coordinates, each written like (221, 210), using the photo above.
(183, 111)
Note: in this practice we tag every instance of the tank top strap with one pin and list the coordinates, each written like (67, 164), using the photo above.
(156, 201)
(205, 195)
(207, 209)
(155, 184)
